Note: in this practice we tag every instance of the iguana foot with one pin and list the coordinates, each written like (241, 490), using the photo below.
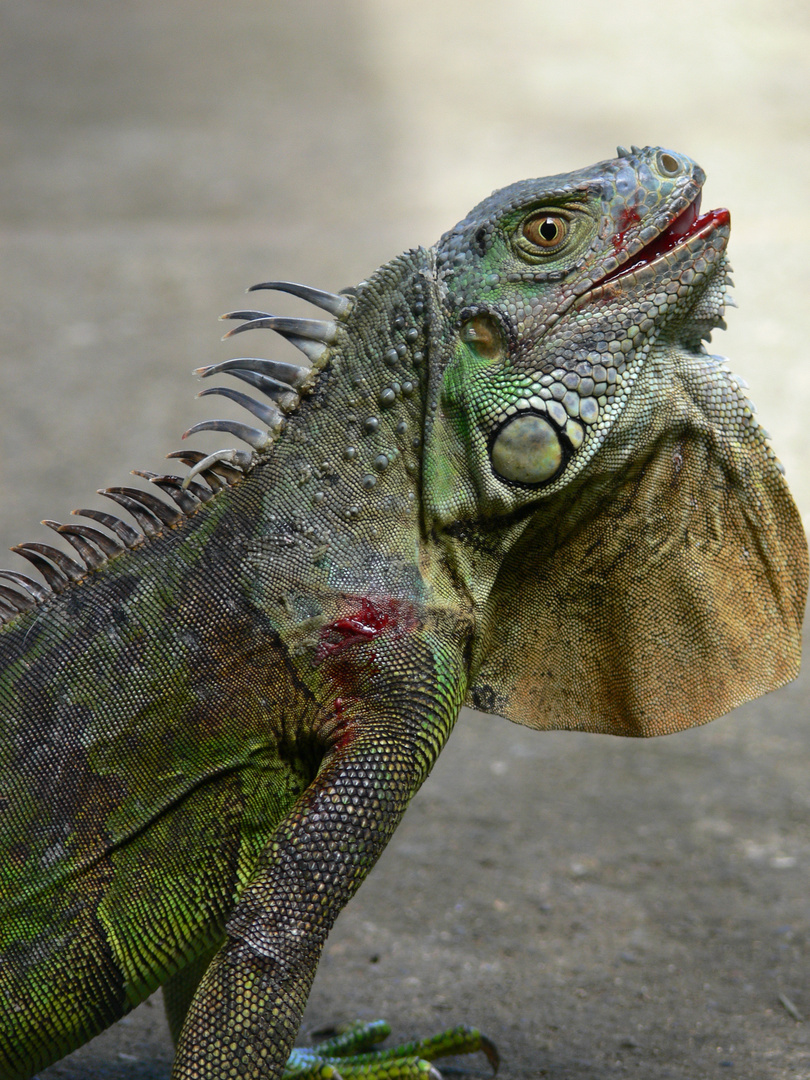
(349, 1055)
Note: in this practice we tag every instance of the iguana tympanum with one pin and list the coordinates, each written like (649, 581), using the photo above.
(511, 476)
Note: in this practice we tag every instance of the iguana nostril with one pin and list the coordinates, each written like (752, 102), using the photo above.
(669, 165)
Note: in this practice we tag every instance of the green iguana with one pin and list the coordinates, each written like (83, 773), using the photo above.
(511, 476)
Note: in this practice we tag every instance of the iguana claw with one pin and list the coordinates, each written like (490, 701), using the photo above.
(348, 1054)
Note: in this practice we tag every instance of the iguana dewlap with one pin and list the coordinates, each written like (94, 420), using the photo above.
(510, 476)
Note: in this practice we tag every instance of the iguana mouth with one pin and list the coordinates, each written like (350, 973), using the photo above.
(690, 223)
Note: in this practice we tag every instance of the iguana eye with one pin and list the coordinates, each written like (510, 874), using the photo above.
(527, 450)
(546, 231)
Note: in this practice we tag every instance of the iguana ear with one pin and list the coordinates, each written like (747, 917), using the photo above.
(664, 587)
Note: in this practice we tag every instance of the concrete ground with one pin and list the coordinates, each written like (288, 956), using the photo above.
(601, 907)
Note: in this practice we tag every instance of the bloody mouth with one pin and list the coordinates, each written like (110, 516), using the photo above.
(688, 224)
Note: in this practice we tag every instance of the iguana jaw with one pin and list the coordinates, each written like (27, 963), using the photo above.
(687, 226)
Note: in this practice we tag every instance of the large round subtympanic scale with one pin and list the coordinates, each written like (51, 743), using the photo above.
(527, 450)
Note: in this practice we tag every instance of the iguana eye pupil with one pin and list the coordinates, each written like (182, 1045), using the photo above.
(547, 231)
(527, 450)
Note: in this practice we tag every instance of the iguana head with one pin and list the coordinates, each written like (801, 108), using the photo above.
(555, 291)
(599, 480)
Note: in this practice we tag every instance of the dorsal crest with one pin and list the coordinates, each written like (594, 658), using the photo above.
(280, 387)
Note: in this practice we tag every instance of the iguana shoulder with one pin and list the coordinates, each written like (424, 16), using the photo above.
(508, 473)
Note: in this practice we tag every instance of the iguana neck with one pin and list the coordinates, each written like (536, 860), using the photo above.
(339, 501)
(337, 497)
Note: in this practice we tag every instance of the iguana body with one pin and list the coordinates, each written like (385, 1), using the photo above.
(512, 477)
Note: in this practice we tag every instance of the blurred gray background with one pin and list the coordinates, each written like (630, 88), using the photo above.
(601, 907)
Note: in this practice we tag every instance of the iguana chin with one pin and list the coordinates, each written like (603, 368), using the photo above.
(510, 476)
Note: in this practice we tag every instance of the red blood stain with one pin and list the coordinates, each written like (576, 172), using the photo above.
(349, 671)
(629, 216)
(686, 226)
(345, 727)
(366, 624)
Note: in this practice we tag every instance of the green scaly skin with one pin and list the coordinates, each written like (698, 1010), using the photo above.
(514, 478)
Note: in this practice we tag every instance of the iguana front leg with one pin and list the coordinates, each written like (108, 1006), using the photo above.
(248, 1007)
